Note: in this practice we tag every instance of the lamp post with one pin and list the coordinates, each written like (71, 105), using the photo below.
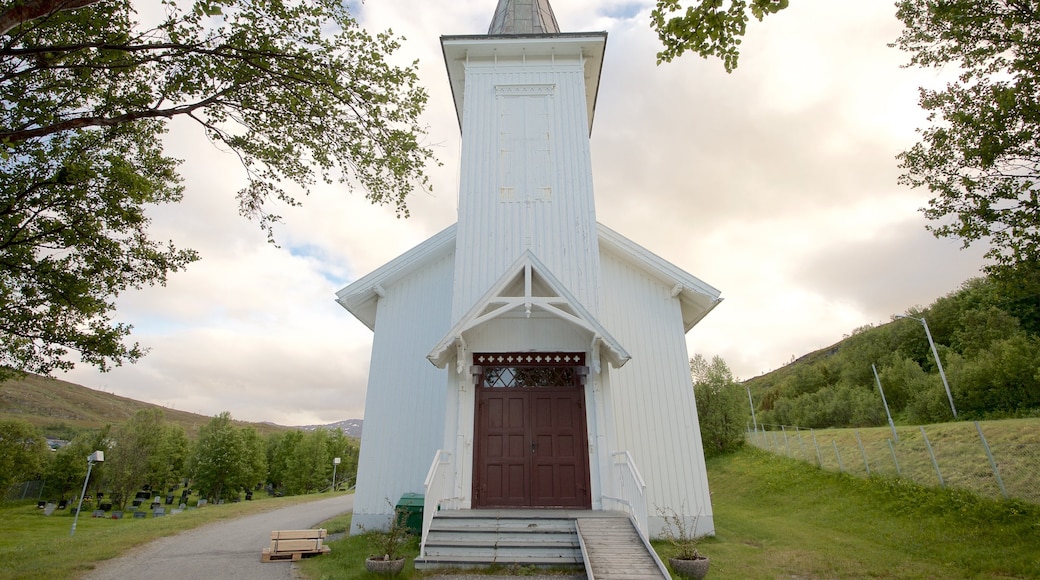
(885, 403)
(335, 464)
(95, 457)
(938, 363)
(752, 402)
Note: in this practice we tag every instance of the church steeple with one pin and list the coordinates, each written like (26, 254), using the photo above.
(523, 17)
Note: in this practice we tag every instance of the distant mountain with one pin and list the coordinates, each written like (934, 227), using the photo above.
(351, 427)
(61, 408)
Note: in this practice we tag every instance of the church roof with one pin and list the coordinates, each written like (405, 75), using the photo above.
(523, 17)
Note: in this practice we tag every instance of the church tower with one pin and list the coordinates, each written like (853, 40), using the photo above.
(525, 94)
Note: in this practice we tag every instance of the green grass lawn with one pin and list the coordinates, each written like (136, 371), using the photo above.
(780, 518)
(35, 546)
(775, 518)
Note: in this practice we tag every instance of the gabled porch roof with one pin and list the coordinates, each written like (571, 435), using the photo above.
(528, 286)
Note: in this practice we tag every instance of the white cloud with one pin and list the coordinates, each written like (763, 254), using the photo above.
(775, 184)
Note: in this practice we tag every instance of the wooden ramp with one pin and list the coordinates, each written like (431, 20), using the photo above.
(614, 550)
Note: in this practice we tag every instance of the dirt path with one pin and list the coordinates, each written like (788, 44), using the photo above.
(224, 550)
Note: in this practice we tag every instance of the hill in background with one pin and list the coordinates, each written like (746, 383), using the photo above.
(60, 409)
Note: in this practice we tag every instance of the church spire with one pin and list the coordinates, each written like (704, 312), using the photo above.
(523, 17)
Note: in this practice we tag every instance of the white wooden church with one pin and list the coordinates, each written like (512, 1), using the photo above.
(529, 357)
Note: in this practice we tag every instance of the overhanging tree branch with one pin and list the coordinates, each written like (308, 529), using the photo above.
(24, 12)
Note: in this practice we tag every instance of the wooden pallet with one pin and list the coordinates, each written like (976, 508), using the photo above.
(294, 544)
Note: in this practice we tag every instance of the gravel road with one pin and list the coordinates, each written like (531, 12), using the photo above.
(224, 550)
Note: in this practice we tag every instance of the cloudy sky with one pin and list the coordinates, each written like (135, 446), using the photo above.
(776, 184)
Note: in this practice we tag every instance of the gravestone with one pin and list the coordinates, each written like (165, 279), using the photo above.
(140, 514)
(175, 511)
(62, 504)
(49, 508)
(98, 514)
(136, 503)
(158, 512)
(202, 502)
(117, 515)
(183, 506)
(41, 504)
(169, 499)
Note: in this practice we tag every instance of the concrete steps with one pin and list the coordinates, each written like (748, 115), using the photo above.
(482, 538)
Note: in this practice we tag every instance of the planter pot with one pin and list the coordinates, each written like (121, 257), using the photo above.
(384, 567)
(690, 568)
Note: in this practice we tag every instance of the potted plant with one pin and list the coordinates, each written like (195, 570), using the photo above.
(687, 562)
(386, 558)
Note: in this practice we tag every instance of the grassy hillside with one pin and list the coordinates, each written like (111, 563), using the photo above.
(780, 518)
(962, 460)
(60, 408)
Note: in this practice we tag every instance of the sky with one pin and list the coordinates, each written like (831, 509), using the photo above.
(776, 184)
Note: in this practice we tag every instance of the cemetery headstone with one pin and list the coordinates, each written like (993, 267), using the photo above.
(140, 514)
(117, 515)
(49, 508)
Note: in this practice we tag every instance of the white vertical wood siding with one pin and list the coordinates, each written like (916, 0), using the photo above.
(404, 408)
(655, 412)
(496, 226)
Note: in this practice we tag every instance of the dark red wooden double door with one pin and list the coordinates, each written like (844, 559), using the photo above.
(531, 441)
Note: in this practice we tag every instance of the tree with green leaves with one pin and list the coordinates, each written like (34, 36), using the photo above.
(979, 158)
(721, 409)
(23, 453)
(298, 91)
(145, 450)
(220, 464)
(707, 27)
(255, 446)
(68, 465)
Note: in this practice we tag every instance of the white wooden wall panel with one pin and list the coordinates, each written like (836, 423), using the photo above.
(404, 408)
(655, 412)
(496, 226)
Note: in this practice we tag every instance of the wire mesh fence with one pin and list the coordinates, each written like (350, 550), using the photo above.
(25, 490)
(998, 459)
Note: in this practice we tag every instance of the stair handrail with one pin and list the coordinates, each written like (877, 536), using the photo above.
(438, 488)
(630, 489)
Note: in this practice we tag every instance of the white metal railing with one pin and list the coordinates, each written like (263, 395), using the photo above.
(630, 489)
(438, 486)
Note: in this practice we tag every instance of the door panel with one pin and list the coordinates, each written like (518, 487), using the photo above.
(531, 442)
